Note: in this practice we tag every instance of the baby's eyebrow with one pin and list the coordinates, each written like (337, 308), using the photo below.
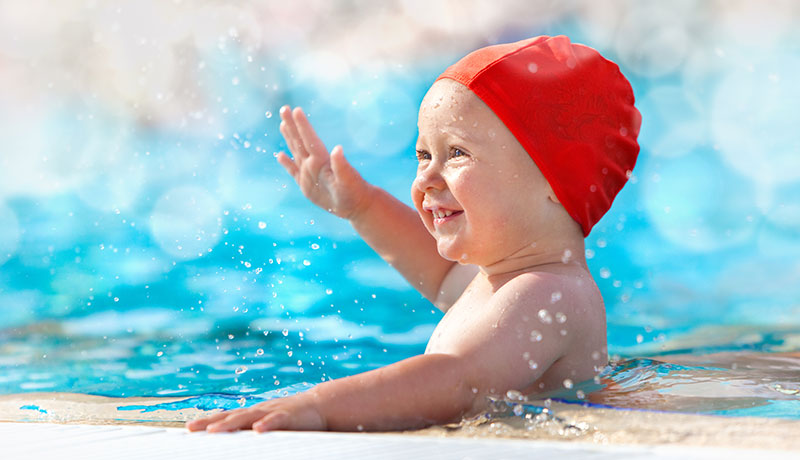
(460, 133)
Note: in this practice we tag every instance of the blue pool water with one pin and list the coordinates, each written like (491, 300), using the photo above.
(166, 253)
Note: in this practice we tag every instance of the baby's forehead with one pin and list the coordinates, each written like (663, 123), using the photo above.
(451, 108)
(437, 123)
(448, 92)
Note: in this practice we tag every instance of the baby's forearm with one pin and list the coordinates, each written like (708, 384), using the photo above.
(413, 393)
(396, 233)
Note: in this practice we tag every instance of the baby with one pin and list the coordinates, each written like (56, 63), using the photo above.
(496, 240)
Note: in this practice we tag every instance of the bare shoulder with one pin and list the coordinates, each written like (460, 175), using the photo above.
(565, 302)
(563, 308)
(562, 288)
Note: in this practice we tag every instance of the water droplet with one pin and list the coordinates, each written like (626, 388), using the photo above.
(518, 410)
(329, 291)
(241, 370)
(285, 332)
(590, 253)
(568, 384)
(561, 318)
(533, 68)
(555, 296)
(595, 355)
(262, 225)
(567, 255)
(533, 365)
(160, 354)
(514, 395)
(315, 246)
(563, 332)
(259, 352)
(544, 316)
(306, 263)
(230, 336)
(639, 338)
(289, 353)
(536, 336)
(605, 273)
(268, 114)
(247, 264)
(580, 394)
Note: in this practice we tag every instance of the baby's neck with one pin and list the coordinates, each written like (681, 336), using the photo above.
(538, 257)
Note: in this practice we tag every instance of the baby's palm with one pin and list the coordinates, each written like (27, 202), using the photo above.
(328, 180)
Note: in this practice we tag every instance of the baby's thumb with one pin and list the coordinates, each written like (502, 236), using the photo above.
(342, 170)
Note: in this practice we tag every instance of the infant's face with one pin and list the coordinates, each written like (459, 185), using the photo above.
(477, 190)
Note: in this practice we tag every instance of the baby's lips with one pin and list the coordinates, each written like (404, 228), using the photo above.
(432, 208)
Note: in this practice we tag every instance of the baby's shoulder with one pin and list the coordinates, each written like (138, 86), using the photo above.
(566, 290)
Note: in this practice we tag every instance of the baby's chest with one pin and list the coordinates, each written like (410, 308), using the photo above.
(467, 317)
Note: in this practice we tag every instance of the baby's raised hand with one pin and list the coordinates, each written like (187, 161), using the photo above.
(328, 180)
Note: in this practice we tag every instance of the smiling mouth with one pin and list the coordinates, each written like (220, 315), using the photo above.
(441, 216)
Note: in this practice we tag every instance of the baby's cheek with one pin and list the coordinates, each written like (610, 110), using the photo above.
(417, 197)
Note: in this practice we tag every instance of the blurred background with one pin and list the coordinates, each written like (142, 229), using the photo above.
(150, 243)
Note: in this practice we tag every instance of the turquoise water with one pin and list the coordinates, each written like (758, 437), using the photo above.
(153, 259)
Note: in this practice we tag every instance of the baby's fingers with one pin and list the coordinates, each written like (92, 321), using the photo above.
(288, 164)
(273, 421)
(288, 130)
(235, 421)
(312, 143)
(201, 424)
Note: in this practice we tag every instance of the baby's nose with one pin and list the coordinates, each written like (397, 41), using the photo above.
(429, 177)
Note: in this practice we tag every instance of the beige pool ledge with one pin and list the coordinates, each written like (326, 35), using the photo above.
(39, 425)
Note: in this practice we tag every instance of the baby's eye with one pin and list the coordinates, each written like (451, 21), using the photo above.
(456, 152)
(423, 155)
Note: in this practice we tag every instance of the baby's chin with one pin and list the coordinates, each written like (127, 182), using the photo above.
(452, 252)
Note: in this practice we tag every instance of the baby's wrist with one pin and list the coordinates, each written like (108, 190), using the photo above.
(313, 401)
(367, 198)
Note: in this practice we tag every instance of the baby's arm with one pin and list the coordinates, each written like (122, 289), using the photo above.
(391, 228)
(412, 393)
(422, 390)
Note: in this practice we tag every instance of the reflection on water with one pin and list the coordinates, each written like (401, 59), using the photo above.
(732, 384)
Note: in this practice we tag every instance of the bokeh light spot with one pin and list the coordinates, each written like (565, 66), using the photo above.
(186, 222)
(696, 203)
(755, 119)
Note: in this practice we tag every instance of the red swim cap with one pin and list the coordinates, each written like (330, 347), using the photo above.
(570, 109)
